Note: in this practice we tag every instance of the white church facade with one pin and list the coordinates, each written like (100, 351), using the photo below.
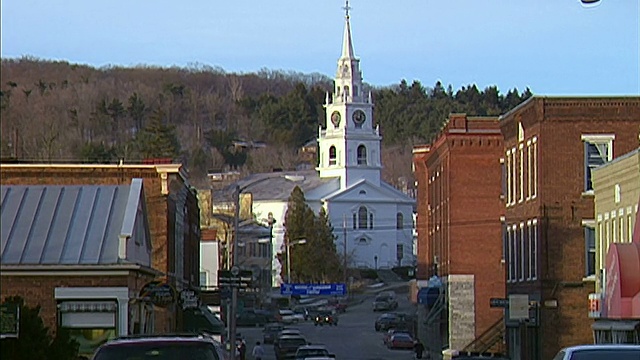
(374, 218)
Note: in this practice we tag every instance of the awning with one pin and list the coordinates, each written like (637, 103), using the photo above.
(87, 306)
(616, 325)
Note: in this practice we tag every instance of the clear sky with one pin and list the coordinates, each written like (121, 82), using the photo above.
(555, 47)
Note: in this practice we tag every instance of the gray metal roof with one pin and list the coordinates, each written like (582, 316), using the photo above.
(278, 185)
(64, 224)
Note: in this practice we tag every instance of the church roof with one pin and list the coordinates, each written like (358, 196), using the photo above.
(386, 191)
(347, 44)
(278, 185)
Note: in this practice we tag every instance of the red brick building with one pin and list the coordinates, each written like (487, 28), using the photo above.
(550, 146)
(172, 211)
(458, 224)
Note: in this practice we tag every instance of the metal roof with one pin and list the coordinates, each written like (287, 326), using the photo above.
(65, 224)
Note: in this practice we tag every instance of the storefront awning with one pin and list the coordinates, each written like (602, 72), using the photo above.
(87, 306)
(616, 325)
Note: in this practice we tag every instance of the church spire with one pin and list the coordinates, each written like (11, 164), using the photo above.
(347, 45)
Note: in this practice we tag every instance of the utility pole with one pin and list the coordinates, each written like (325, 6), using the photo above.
(234, 259)
(344, 265)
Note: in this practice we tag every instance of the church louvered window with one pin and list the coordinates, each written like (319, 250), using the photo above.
(332, 155)
(362, 155)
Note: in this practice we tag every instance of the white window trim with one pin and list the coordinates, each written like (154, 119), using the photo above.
(598, 139)
(534, 144)
(534, 264)
(529, 172)
(514, 175)
(521, 171)
(523, 253)
(508, 174)
(509, 254)
(121, 294)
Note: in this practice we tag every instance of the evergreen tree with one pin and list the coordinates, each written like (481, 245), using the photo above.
(34, 340)
(157, 140)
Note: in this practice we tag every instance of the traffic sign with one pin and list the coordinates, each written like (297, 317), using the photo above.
(313, 289)
(235, 278)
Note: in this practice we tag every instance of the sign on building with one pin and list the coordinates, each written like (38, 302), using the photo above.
(518, 306)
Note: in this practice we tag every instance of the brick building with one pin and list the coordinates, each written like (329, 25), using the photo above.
(459, 229)
(81, 252)
(172, 207)
(551, 146)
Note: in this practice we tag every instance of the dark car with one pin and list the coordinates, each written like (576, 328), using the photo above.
(287, 346)
(161, 347)
(270, 332)
(400, 340)
(325, 317)
(251, 318)
(388, 321)
(286, 332)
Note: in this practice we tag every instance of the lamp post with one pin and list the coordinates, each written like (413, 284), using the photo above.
(289, 245)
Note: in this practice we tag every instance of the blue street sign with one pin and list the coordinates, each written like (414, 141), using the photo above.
(313, 289)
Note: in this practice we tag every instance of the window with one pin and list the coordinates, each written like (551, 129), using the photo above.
(346, 90)
(355, 221)
(629, 228)
(399, 221)
(526, 245)
(590, 250)
(332, 155)
(203, 279)
(503, 185)
(521, 173)
(509, 254)
(534, 167)
(534, 250)
(362, 217)
(598, 150)
(529, 172)
(370, 220)
(513, 175)
(508, 176)
(362, 155)
(523, 253)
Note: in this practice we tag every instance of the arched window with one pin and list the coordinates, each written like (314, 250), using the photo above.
(362, 155)
(362, 217)
(399, 221)
(332, 155)
(370, 220)
(355, 90)
(355, 221)
(346, 90)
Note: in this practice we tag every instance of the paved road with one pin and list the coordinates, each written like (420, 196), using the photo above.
(353, 339)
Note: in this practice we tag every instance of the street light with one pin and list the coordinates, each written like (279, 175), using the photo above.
(289, 245)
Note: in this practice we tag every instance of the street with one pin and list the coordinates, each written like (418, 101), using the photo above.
(353, 338)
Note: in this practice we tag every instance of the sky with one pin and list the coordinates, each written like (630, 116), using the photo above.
(554, 47)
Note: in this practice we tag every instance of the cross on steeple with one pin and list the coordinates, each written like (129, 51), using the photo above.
(346, 8)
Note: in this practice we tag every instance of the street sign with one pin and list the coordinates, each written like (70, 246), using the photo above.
(159, 293)
(313, 289)
(518, 306)
(498, 302)
(235, 278)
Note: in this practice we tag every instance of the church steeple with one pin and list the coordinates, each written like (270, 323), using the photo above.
(347, 45)
(349, 146)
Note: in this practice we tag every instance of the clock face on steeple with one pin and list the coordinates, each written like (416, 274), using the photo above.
(358, 117)
(335, 118)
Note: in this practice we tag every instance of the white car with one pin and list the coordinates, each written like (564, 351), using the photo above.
(599, 351)
(290, 317)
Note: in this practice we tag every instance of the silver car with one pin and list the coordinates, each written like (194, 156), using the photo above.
(597, 352)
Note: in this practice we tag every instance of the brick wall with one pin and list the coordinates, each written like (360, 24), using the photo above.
(561, 206)
(39, 289)
(421, 176)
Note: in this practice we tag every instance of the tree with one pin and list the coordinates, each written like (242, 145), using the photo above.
(34, 340)
(317, 260)
(157, 140)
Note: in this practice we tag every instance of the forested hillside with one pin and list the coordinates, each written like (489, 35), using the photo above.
(56, 111)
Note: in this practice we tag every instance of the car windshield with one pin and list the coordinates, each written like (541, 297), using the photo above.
(311, 352)
(614, 354)
(158, 351)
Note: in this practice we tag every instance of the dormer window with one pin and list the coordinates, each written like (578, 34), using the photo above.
(362, 155)
(332, 156)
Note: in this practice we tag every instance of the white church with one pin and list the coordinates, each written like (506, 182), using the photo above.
(372, 217)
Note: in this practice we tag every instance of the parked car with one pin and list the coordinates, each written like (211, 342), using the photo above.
(287, 346)
(385, 301)
(251, 318)
(313, 351)
(387, 336)
(161, 347)
(325, 317)
(290, 317)
(599, 351)
(270, 332)
(400, 340)
(302, 311)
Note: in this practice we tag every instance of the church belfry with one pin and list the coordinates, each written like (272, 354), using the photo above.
(349, 145)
